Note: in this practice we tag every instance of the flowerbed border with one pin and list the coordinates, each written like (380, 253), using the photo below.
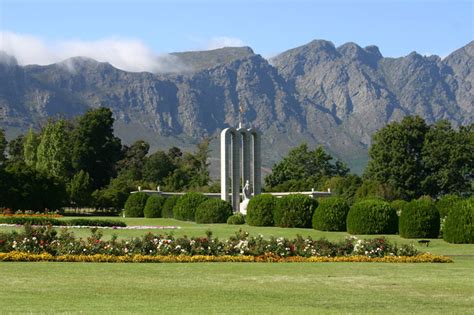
(28, 257)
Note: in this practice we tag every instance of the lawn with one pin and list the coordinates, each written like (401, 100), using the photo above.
(297, 288)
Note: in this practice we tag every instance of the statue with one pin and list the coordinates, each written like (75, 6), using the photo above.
(245, 198)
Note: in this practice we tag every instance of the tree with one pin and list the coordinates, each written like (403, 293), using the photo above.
(30, 148)
(15, 149)
(95, 148)
(157, 167)
(395, 156)
(79, 189)
(131, 166)
(304, 169)
(3, 146)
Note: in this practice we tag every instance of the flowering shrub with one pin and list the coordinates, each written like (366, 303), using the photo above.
(47, 240)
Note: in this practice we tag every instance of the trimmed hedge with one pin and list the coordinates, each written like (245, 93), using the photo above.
(186, 206)
(372, 216)
(236, 219)
(331, 214)
(294, 211)
(260, 210)
(446, 203)
(170, 202)
(56, 222)
(458, 227)
(135, 204)
(154, 206)
(213, 211)
(399, 205)
(419, 218)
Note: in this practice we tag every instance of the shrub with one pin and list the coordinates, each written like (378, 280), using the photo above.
(446, 203)
(168, 205)
(331, 214)
(153, 206)
(419, 218)
(213, 211)
(399, 205)
(372, 216)
(56, 222)
(260, 210)
(135, 204)
(294, 211)
(236, 219)
(458, 227)
(186, 206)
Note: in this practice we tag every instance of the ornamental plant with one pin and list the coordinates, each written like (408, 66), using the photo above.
(168, 205)
(372, 216)
(186, 206)
(135, 204)
(213, 211)
(331, 214)
(154, 206)
(459, 226)
(260, 210)
(236, 219)
(419, 219)
(446, 203)
(294, 211)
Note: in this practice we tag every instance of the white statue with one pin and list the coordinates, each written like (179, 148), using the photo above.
(245, 198)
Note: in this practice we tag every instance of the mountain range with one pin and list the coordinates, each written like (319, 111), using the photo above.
(316, 93)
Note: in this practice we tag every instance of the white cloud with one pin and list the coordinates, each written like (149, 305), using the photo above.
(125, 54)
(224, 41)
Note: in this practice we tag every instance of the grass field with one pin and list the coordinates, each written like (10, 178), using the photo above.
(203, 288)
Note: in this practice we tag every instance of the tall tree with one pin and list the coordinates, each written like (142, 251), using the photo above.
(53, 154)
(15, 149)
(157, 167)
(79, 189)
(30, 148)
(3, 146)
(131, 166)
(95, 148)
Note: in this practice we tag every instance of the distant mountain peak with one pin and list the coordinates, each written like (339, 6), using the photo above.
(7, 59)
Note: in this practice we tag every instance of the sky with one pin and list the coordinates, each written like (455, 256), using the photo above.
(133, 35)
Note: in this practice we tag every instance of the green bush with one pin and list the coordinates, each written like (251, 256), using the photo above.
(236, 219)
(458, 227)
(213, 211)
(419, 218)
(331, 214)
(294, 211)
(186, 206)
(153, 206)
(260, 210)
(446, 203)
(399, 205)
(170, 202)
(372, 216)
(135, 204)
(57, 222)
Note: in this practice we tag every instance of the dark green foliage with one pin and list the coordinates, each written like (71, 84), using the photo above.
(260, 210)
(157, 167)
(186, 206)
(459, 225)
(153, 206)
(236, 219)
(57, 222)
(372, 216)
(331, 214)
(15, 149)
(375, 189)
(135, 205)
(133, 161)
(294, 211)
(344, 186)
(168, 205)
(446, 203)
(113, 196)
(213, 211)
(93, 222)
(3, 146)
(79, 189)
(419, 219)
(399, 205)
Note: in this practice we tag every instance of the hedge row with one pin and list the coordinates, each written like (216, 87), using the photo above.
(56, 222)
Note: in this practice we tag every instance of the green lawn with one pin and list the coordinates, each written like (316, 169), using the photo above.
(202, 288)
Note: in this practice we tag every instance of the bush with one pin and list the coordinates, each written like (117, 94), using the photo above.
(236, 219)
(399, 205)
(372, 216)
(56, 222)
(331, 214)
(458, 227)
(168, 205)
(213, 211)
(446, 203)
(153, 206)
(419, 218)
(260, 210)
(186, 206)
(294, 211)
(135, 204)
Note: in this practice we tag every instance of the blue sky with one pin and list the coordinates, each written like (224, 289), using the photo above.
(269, 27)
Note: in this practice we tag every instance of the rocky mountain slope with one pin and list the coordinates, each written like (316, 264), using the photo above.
(317, 93)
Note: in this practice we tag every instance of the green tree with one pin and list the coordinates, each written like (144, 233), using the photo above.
(132, 164)
(79, 189)
(157, 167)
(53, 154)
(15, 149)
(30, 148)
(3, 146)
(95, 148)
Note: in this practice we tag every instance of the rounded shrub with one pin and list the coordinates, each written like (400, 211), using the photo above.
(458, 227)
(372, 216)
(419, 218)
(260, 210)
(398, 205)
(294, 211)
(236, 219)
(446, 203)
(154, 206)
(135, 204)
(168, 205)
(331, 214)
(213, 211)
(186, 206)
